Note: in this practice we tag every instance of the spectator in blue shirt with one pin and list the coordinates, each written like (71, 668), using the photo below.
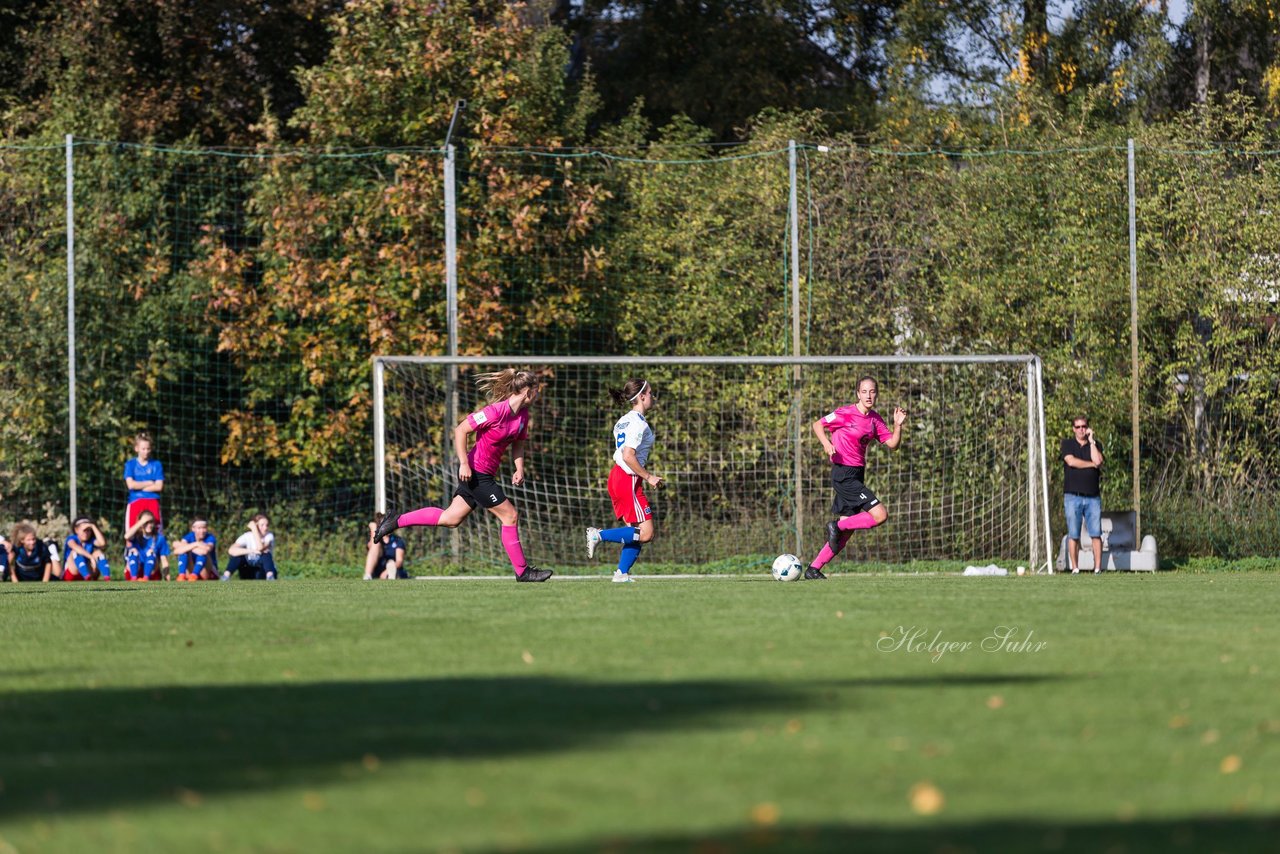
(197, 553)
(145, 479)
(146, 553)
(6, 557)
(85, 559)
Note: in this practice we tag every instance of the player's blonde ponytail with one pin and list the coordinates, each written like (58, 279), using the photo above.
(500, 385)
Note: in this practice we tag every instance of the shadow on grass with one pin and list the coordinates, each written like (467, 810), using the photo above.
(133, 745)
(130, 745)
(1208, 833)
(31, 588)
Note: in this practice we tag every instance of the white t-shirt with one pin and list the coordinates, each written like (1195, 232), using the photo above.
(247, 541)
(632, 431)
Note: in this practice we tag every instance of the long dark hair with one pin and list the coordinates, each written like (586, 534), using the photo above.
(629, 392)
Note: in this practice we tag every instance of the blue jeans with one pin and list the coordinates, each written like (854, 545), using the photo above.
(1088, 507)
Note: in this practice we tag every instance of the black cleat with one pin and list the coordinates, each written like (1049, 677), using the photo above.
(814, 574)
(532, 573)
(833, 535)
(390, 521)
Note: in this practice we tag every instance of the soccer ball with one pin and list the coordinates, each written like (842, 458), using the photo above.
(787, 568)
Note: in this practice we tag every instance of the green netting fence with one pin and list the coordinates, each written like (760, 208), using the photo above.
(229, 302)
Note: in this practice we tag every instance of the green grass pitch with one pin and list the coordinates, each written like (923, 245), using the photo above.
(1123, 713)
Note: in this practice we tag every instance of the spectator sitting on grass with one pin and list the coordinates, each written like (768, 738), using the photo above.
(384, 559)
(251, 553)
(146, 552)
(85, 559)
(197, 553)
(31, 558)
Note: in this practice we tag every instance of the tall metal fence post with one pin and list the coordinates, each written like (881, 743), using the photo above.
(1044, 461)
(1133, 343)
(1032, 474)
(451, 312)
(379, 437)
(72, 477)
(451, 246)
(796, 376)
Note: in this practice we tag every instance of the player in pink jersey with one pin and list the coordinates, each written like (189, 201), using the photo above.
(503, 424)
(852, 428)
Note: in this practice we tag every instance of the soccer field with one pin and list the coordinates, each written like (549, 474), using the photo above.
(1125, 713)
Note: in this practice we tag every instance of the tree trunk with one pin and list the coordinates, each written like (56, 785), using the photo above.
(1035, 38)
(1203, 31)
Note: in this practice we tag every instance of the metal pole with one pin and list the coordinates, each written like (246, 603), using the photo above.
(379, 437)
(1044, 466)
(1031, 466)
(820, 361)
(71, 326)
(451, 300)
(796, 376)
(1133, 345)
(451, 248)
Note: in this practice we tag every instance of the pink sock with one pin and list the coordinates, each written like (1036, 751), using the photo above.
(860, 522)
(511, 542)
(824, 557)
(423, 516)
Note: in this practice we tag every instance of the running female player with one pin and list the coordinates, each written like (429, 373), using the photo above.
(852, 428)
(632, 442)
(503, 423)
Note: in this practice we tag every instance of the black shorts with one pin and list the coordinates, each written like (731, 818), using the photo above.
(482, 490)
(852, 495)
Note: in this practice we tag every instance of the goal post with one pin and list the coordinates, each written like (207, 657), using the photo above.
(968, 484)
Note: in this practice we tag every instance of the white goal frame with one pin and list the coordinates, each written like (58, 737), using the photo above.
(1037, 471)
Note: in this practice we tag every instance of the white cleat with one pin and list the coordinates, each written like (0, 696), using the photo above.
(1075, 571)
(1097, 571)
(620, 577)
(593, 540)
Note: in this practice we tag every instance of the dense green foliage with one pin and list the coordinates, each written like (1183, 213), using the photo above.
(660, 716)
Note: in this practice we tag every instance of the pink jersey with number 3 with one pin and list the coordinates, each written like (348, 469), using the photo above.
(851, 432)
(496, 428)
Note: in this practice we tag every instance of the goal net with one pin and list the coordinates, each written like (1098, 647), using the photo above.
(746, 479)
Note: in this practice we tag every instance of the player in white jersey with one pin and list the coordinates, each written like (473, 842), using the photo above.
(632, 443)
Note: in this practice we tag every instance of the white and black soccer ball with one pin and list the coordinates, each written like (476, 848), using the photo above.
(787, 568)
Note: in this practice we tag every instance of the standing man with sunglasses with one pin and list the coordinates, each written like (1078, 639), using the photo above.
(1082, 490)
